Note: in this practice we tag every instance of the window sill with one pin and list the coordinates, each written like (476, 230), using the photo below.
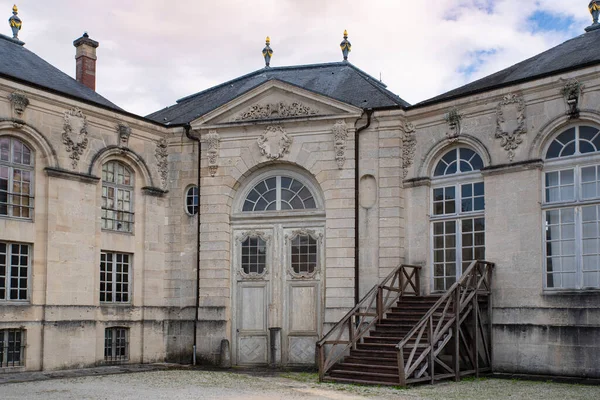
(118, 232)
(11, 218)
(6, 370)
(571, 292)
(18, 303)
(120, 305)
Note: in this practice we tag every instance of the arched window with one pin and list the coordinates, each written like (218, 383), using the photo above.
(458, 161)
(572, 210)
(16, 178)
(457, 215)
(191, 200)
(117, 197)
(279, 193)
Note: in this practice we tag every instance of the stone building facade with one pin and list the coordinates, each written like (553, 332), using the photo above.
(241, 214)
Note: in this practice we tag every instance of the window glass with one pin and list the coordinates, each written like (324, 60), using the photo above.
(456, 161)
(191, 200)
(254, 256)
(116, 344)
(14, 271)
(16, 179)
(279, 193)
(12, 345)
(115, 270)
(304, 254)
(117, 197)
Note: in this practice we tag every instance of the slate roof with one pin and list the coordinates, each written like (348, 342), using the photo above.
(575, 53)
(18, 63)
(341, 81)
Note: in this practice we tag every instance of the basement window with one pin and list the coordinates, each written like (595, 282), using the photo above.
(12, 348)
(116, 345)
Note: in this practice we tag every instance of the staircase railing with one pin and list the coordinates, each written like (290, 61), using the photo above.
(357, 323)
(455, 318)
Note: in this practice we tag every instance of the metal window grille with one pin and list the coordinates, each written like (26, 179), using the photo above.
(16, 179)
(12, 348)
(117, 197)
(15, 259)
(116, 344)
(115, 269)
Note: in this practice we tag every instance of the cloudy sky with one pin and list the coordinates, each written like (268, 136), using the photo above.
(153, 52)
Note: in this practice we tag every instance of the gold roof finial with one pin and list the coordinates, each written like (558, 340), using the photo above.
(345, 33)
(345, 46)
(15, 8)
(267, 52)
(268, 40)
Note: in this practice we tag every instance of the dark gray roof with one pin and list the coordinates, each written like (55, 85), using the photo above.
(340, 81)
(573, 54)
(20, 64)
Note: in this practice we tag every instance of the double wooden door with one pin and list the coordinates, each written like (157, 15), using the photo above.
(278, 294)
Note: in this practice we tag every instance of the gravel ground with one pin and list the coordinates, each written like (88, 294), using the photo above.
(196, 384)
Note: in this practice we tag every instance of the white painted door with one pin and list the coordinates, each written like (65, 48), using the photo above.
(278, 274)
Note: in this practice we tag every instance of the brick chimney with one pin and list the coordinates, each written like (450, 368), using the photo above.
(86, 60)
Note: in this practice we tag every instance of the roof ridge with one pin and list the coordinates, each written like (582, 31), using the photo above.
(253, 73)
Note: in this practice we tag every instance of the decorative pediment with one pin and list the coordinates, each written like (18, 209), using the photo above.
(274, 101)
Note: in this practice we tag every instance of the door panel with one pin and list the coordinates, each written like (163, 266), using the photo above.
(252, 332)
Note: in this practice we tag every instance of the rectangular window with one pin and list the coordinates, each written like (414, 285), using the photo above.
(444, 201)
(116, 209)
(116, 344)
(12, 348)
(15, 261)
(560, 186)
(115, 270)
(444, 255)
(15, 192)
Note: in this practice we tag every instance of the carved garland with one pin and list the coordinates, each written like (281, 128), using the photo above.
(213, 141)
(75, 134)
(510, 137)
(19, 102)
(318, 236)
(241, 238)
(162, 154)
(277, 110)
(409, 146)
(340, 135)
(274, 143)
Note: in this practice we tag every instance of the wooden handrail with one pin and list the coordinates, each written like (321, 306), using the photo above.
(369, 310)
(440, 326)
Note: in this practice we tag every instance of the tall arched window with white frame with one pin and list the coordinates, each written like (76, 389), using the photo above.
(457, 215)
(16, 178)
(571, 208)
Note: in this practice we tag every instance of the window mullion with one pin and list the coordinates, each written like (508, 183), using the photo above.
(458, 249)
(579, 245)
(278, 193)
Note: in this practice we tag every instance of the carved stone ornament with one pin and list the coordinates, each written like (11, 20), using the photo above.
(213, 141)
(277, 110)
(75, 134)
(572, 94)
(318, 236)
(124, 132)
(510, 123)
(162, 154)
(19, 102)
(241, 238)
(409, 145)
(340, 135)
(274, 143)
(454, 120)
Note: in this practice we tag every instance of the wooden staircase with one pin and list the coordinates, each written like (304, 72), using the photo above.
(395, 336)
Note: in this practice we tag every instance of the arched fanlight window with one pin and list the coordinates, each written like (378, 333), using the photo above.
(575, 141)
(458, 161)
(279, 193)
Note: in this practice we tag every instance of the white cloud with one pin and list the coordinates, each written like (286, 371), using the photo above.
(153, 52)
